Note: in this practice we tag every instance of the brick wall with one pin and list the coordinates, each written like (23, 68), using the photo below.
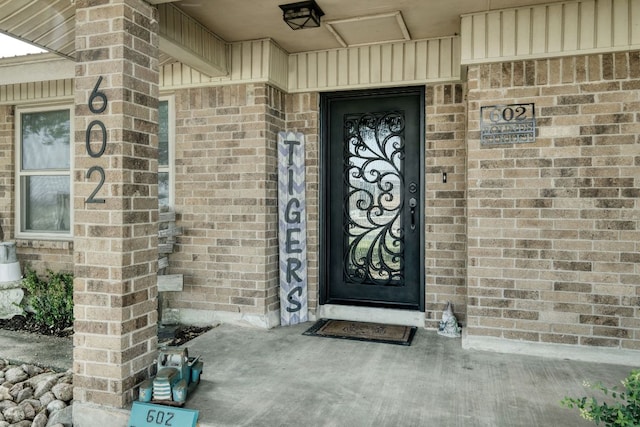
(40, 255)
(553, 225)
(445, 220)
(7, 172)
(226, 198)
(43, 255)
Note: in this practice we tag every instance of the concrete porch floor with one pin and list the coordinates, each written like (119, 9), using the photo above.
(282, 378)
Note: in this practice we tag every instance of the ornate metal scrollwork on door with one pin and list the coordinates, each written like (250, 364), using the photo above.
(373, 203)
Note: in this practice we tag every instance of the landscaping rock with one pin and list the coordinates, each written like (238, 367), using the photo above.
(31, 396)
(15, 375)
(63, 391)
(35, 404)
(24, 394)
(40, 420)
(6, 404)
(29, 411)
(14, 415)
(32, 370)
(47, 398)
(62, 418)
(66, 377)
(16, 389)
(44, 386)
(34, 381)
(56, 405)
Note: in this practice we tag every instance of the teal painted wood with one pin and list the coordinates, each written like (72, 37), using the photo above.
(292, 229)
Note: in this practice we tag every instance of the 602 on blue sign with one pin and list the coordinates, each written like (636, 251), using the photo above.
(147, 414)
(160, 417)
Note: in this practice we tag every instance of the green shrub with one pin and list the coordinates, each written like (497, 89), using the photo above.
(624, 409)
(51, 300)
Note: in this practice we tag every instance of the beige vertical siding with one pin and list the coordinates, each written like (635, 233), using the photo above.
(253, 61)
(422, 61)
(186, 36)
(36, 91)
(558, 29)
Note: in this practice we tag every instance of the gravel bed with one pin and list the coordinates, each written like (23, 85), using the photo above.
(31, 396)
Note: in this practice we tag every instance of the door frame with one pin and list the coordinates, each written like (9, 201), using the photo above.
(326, 100)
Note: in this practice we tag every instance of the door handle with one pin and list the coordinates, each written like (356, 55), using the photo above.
(412, 209)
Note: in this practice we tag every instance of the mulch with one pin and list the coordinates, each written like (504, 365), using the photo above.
(185, 334)
(27, 323)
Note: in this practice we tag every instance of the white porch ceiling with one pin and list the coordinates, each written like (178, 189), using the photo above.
(239, 20)
(50, 24)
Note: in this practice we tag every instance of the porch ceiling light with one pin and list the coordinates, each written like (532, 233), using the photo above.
(303, 14)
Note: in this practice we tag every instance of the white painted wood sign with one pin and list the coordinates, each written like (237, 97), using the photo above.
(292, 229)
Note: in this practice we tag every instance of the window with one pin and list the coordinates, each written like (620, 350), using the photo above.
(165, 153)
(43, 169)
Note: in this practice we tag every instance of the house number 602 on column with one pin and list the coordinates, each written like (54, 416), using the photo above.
(97, 104)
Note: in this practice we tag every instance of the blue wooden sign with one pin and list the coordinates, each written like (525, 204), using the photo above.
(148, 415)
(292, 229)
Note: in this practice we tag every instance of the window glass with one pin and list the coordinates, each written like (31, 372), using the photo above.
(163, 189)
(163, 133)
(45, 140)
(46, 203)
(165, 153)
(44, 175)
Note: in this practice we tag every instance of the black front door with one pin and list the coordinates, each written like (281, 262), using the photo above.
(372, 198)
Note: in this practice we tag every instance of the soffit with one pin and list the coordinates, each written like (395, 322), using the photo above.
(240, 20)
(50, 24)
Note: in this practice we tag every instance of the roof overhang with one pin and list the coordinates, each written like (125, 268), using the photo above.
(50, 24)
(38, 67)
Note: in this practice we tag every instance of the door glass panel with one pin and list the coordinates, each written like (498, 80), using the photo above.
(373, 179)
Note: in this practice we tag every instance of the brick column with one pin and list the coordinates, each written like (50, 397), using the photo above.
(115, 224)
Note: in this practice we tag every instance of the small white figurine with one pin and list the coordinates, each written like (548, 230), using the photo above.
(448, 326)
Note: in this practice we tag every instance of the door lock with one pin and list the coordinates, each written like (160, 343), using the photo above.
(412, 207)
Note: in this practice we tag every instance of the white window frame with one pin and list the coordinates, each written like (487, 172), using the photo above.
(18, 190)
(171, 167)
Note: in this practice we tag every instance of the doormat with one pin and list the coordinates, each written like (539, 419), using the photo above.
(362, 331)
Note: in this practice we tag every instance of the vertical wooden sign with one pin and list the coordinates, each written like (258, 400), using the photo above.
(292, 229)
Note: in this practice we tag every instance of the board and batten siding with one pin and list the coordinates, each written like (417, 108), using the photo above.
(402, 63)
(557, 29)
(259, 61)
(541, 31)
(184, 38)
(51, 90)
